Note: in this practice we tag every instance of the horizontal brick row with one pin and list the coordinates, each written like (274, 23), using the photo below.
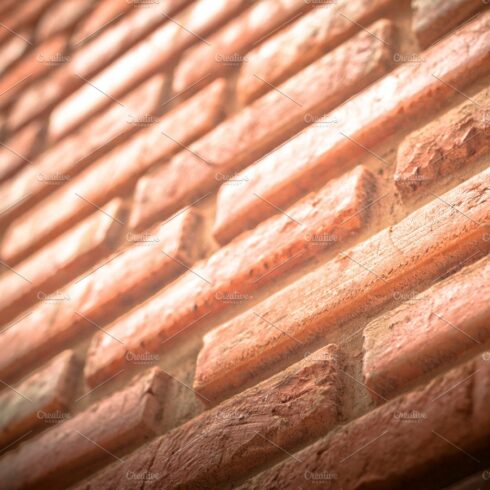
(456, 139)
(295, 47)
(243, 434)
(431, 329)
(42, 399)
(424, 439)
(146, 58)
(58, 457)
(228, 277)
(424, 245)
(56, 264)
(62, 161)
(113, 287)
(260, 127)
(114, 173)
(328, 147)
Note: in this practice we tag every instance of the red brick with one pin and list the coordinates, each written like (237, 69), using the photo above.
(115, 286)
(60, 456)
(60, 261)
(41, 399)
(433, 18)
(13, 49)
(337, 212)
(15, 154)
(244, 433)
(263, 125)
(69, 157)
(234, 40)
(420, 247)
(145, 59)
(455, 140)
(429, 330)
(114, 173)
(387, 106)
(423, 439)
(306, 40)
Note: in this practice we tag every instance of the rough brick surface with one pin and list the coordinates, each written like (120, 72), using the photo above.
(263, 125)
(41, 399)
(251, 429)
(425, 244)
(456, 139)
(89, 439)
(113, 287)
(12, 50)
(326, 148)
(332, 215)
(429, 330)
(419, 440)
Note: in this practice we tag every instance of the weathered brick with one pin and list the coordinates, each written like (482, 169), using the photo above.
(433, 18)
(424, 439)
(456, 139)
(227, 46)
(420, 247)
(235, 271)
(60, 261)
(145, 59)
(244, 433)
(335, 142)
(112, 288)
(260, 127)
(114, 173)
(60, 456)
(431, 329)
(61, 162)
(41, 399)
(12, 50)
(297, 46)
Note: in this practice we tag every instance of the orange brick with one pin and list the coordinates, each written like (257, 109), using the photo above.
(424, 439)
(434, 18)
(61, 162)
(12, 50)
(327, 148)
(43, 398)
(60, 261)
(420, 247)
(456, 139)
(263, 125)
(89, 439)
(335, 213)
(303, 42)
(429, 330)
(245, 433)
(114, 173)
(113, 287)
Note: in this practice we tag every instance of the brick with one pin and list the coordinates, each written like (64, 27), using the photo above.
(260, 127)
(145, 59)
(337, 212)
(89, 439)
(63, 161)
(60, 261)
(15, 154)
(359, 281)
(43, 398)
(121, 282)
(12, 50)
(433, 18)
(430, 330)
(423, 439)
(227, 46)
(114, 173)
(244, 433)
(386, 107)
(303, 42)
(456, 139)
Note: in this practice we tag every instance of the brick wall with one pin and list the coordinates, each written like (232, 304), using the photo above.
(244, 244)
